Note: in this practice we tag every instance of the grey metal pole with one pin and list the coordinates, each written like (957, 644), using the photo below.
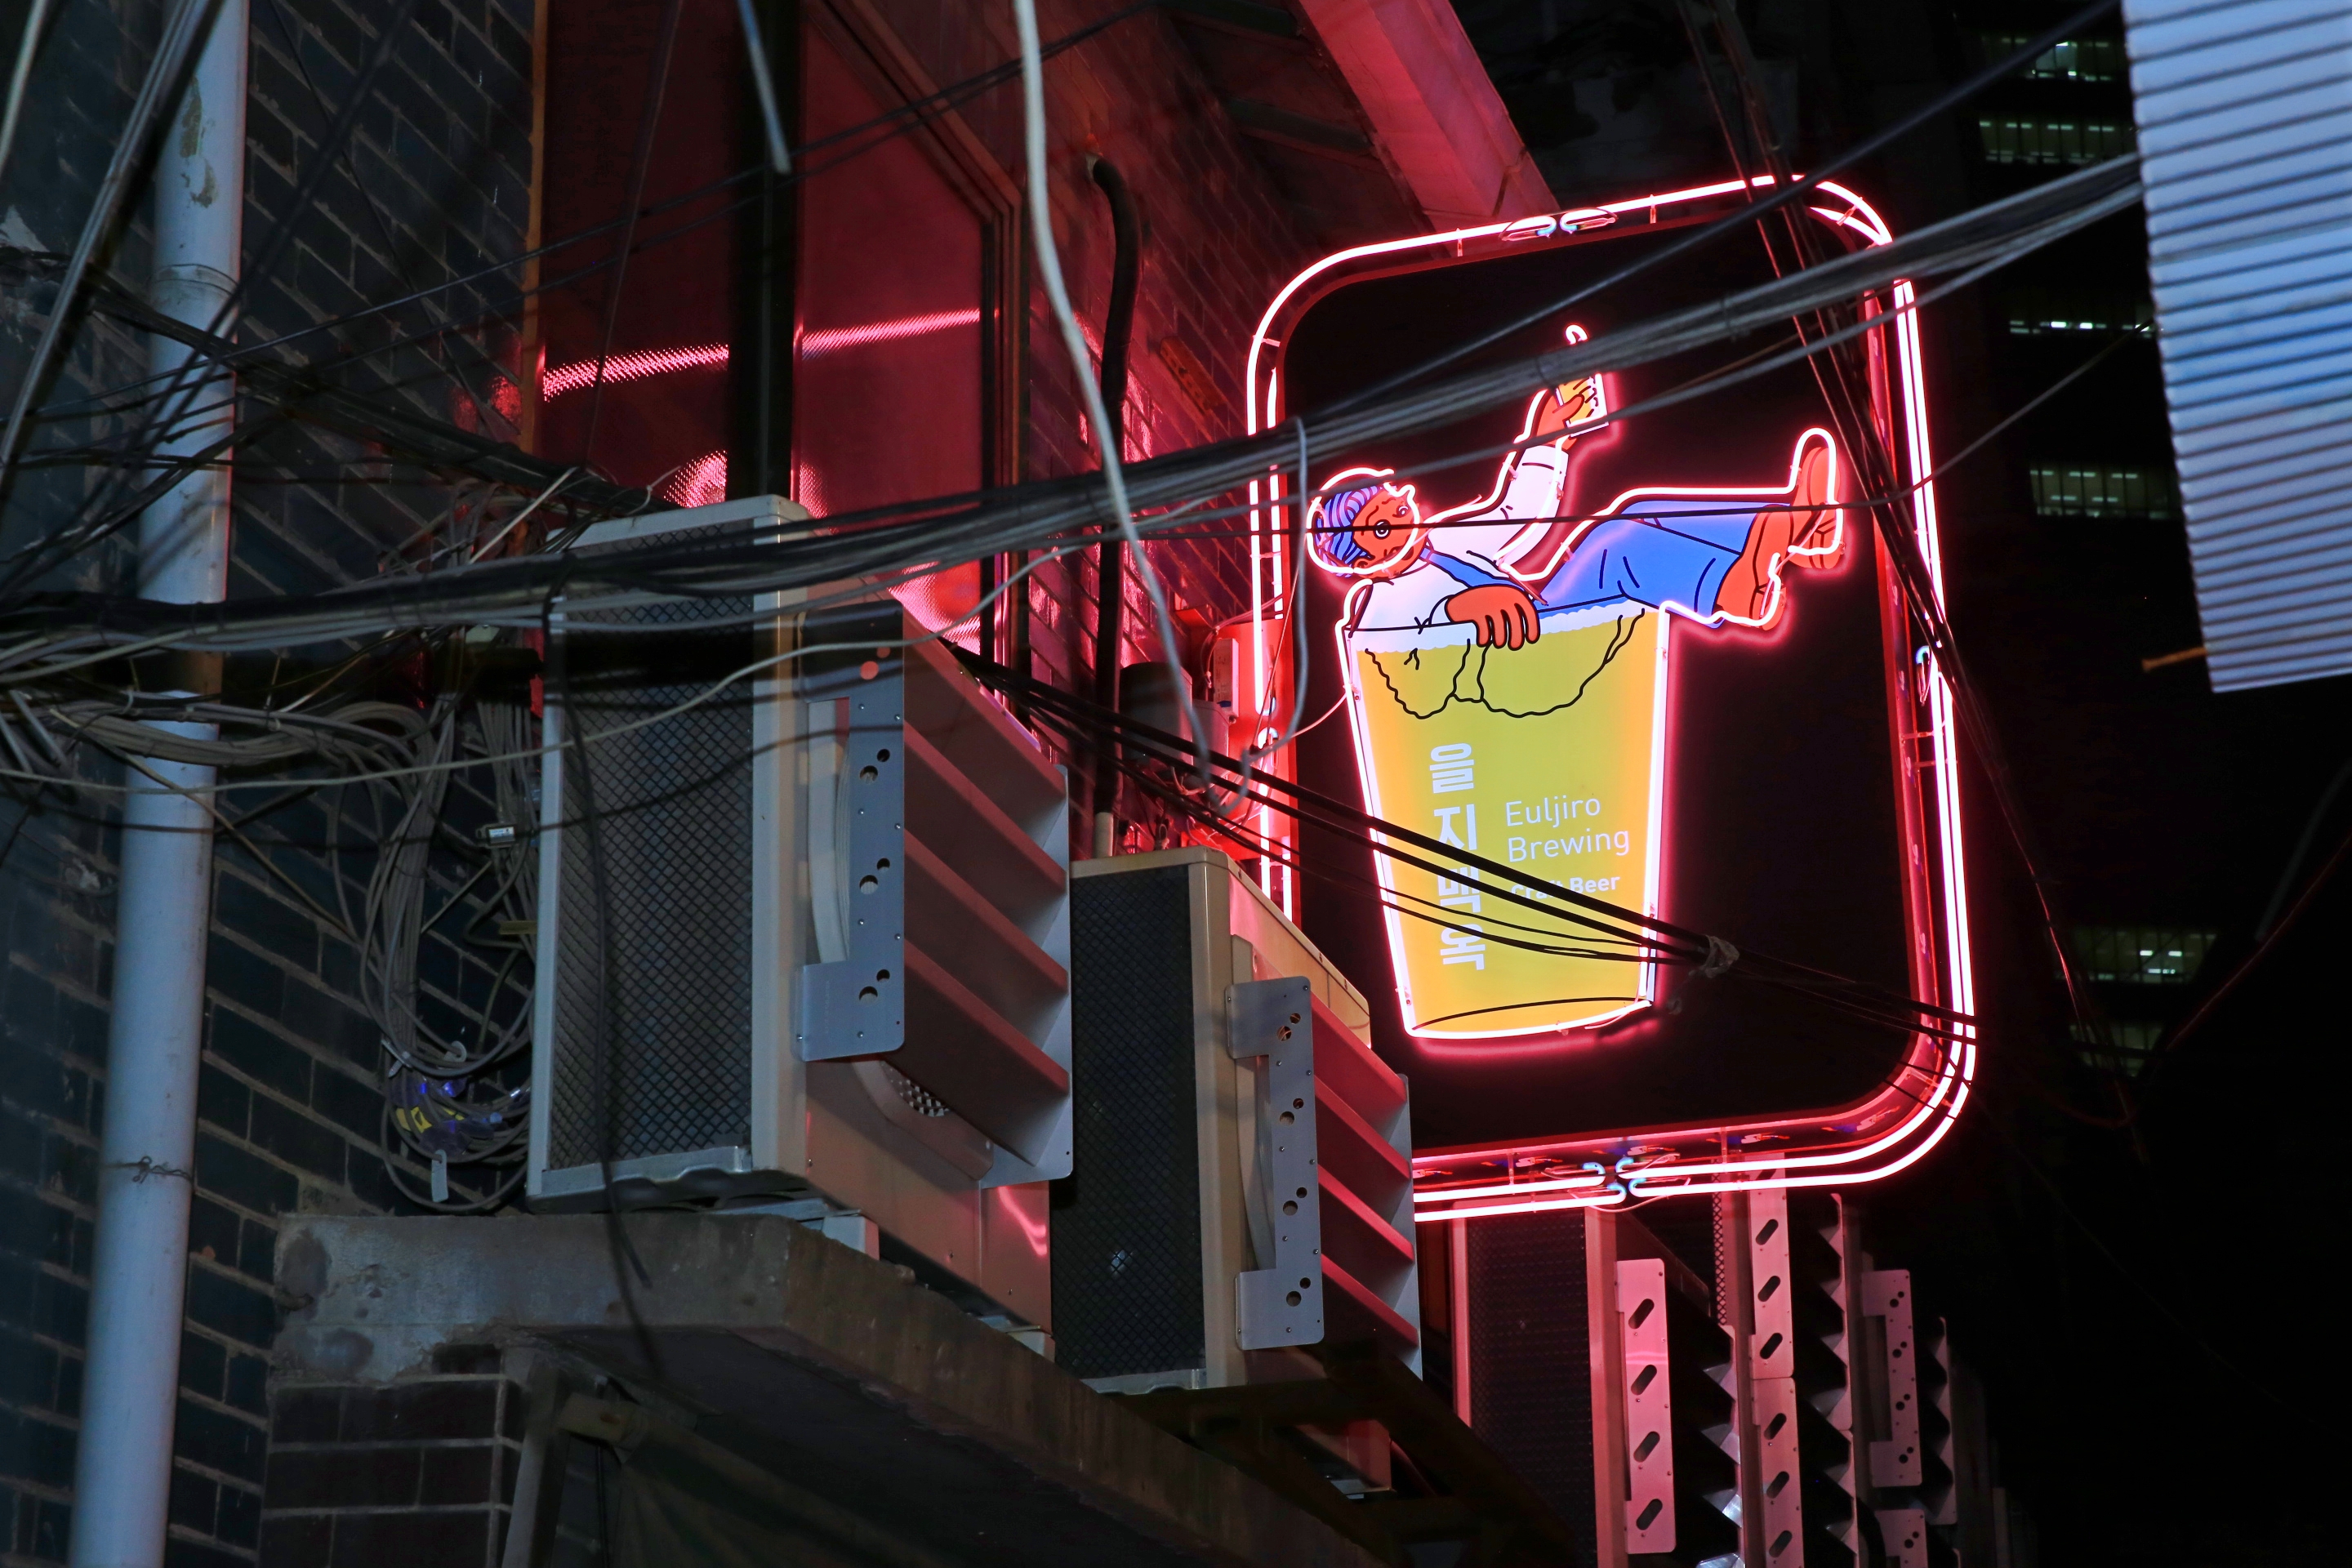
(122, 1471)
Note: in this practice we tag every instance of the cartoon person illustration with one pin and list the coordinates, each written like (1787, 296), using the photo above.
(1506, 681)
(1715, 556)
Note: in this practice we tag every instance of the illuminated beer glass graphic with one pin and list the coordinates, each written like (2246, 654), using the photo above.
(1545, 756)
(1505, 667)
(1660, 627)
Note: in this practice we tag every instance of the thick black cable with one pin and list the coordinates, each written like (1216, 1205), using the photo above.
(251, 271)
(1710, 381)
(1835, 373)
(1870, 443)
(182, 29)
(174, 469)
(916, 113)
(1111, 555)
(185, 381)
(1788, 193)
(1513, 885)
(606, 990)
(2004, 229)
(989, 522)
(1701, 963)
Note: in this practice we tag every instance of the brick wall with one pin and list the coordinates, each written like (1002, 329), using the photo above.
(394, 1475)
(1218, 243)
(291, 1098)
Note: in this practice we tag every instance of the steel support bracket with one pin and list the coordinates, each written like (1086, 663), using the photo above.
(1896, 1460)
(1270, 1024)
(856, 1005)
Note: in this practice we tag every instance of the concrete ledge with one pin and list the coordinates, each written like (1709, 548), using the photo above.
(807, 1356)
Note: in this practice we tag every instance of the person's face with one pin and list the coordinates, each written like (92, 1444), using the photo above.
(1385, 529)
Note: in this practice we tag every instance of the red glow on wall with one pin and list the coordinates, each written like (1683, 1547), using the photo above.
(699, 483)
(667, 399)
(827, 340)
(633, 366)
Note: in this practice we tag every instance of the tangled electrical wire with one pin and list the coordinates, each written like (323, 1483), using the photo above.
(952, 530)
(163, 402)
(437, 794)
(449, 1101)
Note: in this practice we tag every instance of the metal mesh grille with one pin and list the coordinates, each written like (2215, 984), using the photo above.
(653, 1023)
(1530, 1367)
(1127, 1225)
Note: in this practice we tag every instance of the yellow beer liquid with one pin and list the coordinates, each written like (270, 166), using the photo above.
(1541, 758)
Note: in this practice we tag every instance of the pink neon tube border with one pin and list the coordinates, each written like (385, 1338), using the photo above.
(1954, 1073)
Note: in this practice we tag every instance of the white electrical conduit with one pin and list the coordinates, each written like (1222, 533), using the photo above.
(756, 46)
(122, 1469)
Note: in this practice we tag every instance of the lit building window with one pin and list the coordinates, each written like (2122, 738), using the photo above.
(2137, 955)
(2035, 139)
(2098, 491)
(2076, 59)
(2039, 312)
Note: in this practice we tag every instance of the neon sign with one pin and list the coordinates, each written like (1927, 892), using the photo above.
(1501, 656)
(1507, 675)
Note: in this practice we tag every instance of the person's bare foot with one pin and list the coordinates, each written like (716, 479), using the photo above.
(1805, 532)
(1819, 540)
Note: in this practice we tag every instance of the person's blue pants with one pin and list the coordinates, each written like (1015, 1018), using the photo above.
(1659, 551)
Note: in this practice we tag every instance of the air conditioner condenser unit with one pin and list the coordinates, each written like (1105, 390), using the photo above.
(1243, 1188)
(803, 922)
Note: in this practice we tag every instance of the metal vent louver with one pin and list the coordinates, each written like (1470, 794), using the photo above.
(806, 936)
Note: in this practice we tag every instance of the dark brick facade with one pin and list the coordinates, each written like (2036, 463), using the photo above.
(434, 184)
(421, 1470)
(1218, 243)
(289, 1099)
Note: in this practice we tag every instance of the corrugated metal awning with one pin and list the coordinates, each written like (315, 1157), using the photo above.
(2245, 134)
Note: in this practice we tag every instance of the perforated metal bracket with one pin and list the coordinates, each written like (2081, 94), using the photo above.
(1886, 1295)
(1905, 1533)
(1772, 1350)
(1780, 1466)
(1270, 1024)
(856, 1006)
(1649, 1406)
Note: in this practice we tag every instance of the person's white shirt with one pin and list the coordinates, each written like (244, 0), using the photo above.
(1488, 540)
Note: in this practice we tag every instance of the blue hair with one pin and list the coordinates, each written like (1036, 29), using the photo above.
(1333, 537)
